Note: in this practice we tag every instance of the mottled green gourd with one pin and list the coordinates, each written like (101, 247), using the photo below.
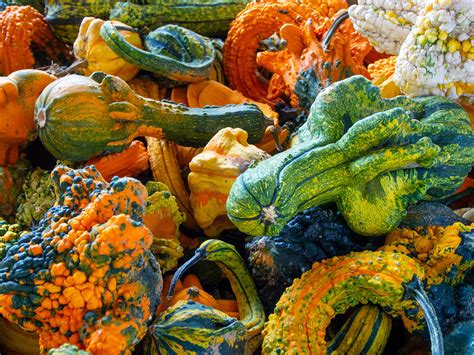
(37, 4)
(115, 114)
(391, 280)
(170, 51)
(206, 17)
(371, 156)
(192, 328)
(67, 349)
(36, 198)
(9, 235)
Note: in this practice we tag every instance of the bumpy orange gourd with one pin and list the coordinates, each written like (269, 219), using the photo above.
(223, 159)
(381, 73)
(304, 60)
(21, 29)
(90, 46)
(258, 21)
(85, 276)
(18, 94)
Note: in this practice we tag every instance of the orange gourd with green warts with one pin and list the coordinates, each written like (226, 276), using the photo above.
(305, 310)
(85, 275)
(18, 94)
(17, 42)
(130, 162)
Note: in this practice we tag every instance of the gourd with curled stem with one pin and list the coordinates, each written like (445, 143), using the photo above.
(303, 313)
(115, 115)
(188, 326)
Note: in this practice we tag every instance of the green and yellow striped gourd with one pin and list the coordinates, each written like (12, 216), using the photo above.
(391, 280)
(371, 156)
(192, 328)
(114, 114)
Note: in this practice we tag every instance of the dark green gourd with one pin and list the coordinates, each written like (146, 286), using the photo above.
(80, 117)
(171, 51)
(371, 156)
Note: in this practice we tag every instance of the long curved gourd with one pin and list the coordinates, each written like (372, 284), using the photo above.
(371, 156)
(114, 114)
(365, 332)
(305, 310)
(192, 327)
(170, 51)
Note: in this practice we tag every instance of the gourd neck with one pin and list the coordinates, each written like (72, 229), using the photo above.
(251, 311)
(326, 43)
(415, 289)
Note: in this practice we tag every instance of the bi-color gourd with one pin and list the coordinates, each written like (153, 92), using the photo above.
(371, 156)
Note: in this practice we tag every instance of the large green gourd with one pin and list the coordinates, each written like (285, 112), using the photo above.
(371, 156)
(81, 117)
(171, 51)
(192, 328)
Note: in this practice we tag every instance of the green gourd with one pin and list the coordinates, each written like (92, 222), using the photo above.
(81, 117)
(372, 156)
(190, 327)
(365, 332)
(171, 51)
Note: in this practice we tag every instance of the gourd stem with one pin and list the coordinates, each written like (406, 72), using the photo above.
(332, 30)
(436, 335)
(198, 256)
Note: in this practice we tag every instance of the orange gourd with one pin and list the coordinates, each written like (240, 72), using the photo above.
(21, 29)
(130, 162)
(18, 94)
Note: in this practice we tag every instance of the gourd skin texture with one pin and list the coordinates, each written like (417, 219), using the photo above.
(403, 151)
(11, 183)
(90, 46)
(115, 115)
(85, 276)
(192, 328)
(331, 287)
(170, 51)
(18, 94)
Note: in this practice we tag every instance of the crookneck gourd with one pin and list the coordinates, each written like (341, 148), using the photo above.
(190, 327)
(85, 275)
(391, 280)
(171, 51)
(371, 156)
(18, 94)
(98, 56)
(213, 171)
(115, 114)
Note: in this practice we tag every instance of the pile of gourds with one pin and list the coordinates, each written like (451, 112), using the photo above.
(197, 177)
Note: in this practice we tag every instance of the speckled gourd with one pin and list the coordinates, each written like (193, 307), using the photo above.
(371, 156)
(115, 115)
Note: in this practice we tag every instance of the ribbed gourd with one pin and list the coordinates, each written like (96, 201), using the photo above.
(85, 275)
(190, 327)
(391, 280)
(115, 115)
(213, 171)
(371, 156)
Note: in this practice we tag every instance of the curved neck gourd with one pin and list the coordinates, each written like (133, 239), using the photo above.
(251, 311)
(81, 117)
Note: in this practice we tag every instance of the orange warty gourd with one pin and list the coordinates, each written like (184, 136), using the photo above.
(18, 94)
(21, 29)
